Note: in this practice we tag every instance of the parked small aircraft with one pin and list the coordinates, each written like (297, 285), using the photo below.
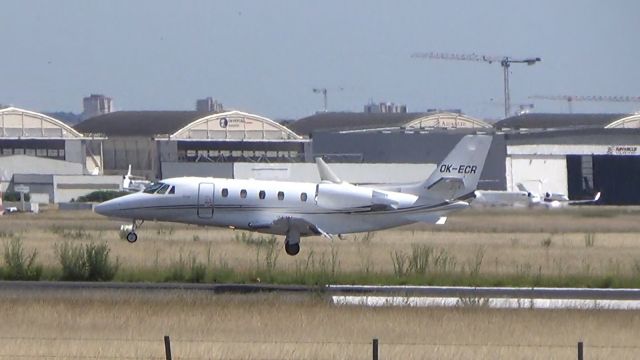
(525, 198)
(296, 209)
(134, 183)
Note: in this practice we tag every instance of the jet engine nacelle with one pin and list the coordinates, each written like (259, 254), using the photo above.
(341, 196)
(347, 196)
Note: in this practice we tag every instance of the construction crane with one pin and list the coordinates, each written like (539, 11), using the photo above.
(323, 91)
(505, 62)
(597, 98)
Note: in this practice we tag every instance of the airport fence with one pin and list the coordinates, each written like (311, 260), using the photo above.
(25, 348)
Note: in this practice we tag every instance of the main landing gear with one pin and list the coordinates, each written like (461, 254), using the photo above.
(131, 230)
(292, 243)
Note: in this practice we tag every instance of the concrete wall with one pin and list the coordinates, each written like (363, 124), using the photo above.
(74, 151)
(355, 173)
(23, 164)
(140, 152)
(204, 169)
(67, 187)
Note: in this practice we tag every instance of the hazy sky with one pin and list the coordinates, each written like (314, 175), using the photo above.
(266, 56)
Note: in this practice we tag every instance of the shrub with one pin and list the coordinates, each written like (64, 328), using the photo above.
(72, 260)
(99, 267)
(15, 196)
(101, 196)
(187, 269)
(20, 266)
(197, 271)
(86, 263)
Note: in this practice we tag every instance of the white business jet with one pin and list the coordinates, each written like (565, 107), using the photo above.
(296, 209)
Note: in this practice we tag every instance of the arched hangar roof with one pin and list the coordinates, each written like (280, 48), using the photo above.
(16, 122)
(631, 121)
(569, 121)
(344, 121)
(186, 125)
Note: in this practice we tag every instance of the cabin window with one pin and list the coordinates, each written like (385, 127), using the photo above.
(243, 193)
(225, 192)
(172, 190)
(163, 189)
(262, 194)
(303, 196)
(280, 195)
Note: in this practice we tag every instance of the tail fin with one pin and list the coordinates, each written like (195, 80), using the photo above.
(458, 174)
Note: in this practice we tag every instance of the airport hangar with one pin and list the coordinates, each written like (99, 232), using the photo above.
(567, 153)
(49, 158)
(574, 154)
(163, 144)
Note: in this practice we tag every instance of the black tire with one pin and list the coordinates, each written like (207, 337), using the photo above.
(292, 249)
(132, 237)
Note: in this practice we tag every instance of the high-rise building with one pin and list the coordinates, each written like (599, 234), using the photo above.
(208, 105)
(385, 108)
(95, 105)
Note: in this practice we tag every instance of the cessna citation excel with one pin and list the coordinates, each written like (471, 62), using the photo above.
(297, 209)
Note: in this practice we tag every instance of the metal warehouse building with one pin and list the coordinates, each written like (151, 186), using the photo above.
(575, 154)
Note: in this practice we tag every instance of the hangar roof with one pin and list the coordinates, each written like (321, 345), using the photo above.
(558, 121)
(138, 123)
(186, 125)
(341, 121)
(20, 123)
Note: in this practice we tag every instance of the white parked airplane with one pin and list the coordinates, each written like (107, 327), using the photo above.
(525, 198)
(134, 183)
(296, 209)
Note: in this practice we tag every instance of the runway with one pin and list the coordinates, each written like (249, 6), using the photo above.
(350, 291)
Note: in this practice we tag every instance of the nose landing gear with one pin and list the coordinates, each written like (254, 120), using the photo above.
(132, 237)
(130, 230)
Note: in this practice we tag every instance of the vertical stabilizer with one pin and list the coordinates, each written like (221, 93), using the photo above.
(458, 174)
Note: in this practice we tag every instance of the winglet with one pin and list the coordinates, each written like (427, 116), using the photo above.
(326, 174)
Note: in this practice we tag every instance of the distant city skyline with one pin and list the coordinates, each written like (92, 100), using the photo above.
(266, 57)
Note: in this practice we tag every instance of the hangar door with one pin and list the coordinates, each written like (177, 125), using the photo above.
(618, 178)
(538, 173)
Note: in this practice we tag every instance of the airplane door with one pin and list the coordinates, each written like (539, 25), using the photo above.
(205, 200)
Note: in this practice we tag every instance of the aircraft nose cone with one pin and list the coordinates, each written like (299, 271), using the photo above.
(106, 208)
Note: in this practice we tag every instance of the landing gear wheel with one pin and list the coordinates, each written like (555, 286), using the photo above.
(132, 237)
(292, 249)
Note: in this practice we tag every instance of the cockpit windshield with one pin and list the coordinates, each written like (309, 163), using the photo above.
(153, 187)
(163, 189)
(160, 188)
